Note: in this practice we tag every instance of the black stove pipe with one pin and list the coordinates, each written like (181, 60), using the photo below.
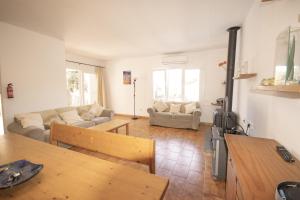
(231, 65)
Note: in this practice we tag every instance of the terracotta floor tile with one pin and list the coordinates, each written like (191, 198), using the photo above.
(184, 160)
(172, 156)
(195, 178)
(180, 170)
(168, 164)
(192, 192)
(186, 153)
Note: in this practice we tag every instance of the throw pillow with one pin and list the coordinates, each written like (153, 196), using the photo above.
(189, 108)
(160, 106)
(88, 116)
(32, 119)
(54, 119)
(96, 110)
(175, 108)
(71, 117)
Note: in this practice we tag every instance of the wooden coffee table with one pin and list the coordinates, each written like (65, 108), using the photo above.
(112, 125)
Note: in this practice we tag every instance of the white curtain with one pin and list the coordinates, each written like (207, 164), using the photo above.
(101, 87)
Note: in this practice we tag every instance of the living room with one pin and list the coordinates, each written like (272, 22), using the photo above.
(148, 99)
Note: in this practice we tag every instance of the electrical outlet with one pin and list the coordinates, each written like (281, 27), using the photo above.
(248, 124)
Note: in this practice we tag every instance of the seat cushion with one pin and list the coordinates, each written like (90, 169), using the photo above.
(99, 120)
(182, 117)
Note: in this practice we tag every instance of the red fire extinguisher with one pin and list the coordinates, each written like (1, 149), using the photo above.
(10, 91)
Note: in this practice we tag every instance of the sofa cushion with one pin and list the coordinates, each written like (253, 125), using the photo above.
(87, 116)
(189, 108)
(71, 117)
(182, 108)
(160, 106)
(84, 124)
(175, 108)
(54, 119)
(48, 114)
(83, 109)
(182, 117)
(99, 120)
(96, 109)
(20, 116)
(32, 119)
(64, 109)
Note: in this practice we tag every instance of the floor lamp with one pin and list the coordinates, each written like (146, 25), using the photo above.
(134, 116)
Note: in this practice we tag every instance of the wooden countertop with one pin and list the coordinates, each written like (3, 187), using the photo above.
(259, 168)
(71, 175)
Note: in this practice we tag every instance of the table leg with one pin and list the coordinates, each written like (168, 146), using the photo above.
(117, 130)
(127, 129)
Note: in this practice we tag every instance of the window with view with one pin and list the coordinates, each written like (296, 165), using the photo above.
(176, 84)
(82, 87)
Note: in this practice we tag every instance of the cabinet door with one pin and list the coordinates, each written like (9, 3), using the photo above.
(230, 181)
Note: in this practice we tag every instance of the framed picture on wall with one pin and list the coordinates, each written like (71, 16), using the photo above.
(127, 77)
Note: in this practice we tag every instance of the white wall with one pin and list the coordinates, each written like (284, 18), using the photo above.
(120, 96)
(273, 116)
(34, 63)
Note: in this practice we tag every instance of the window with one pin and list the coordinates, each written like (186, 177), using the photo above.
(176, 84)
(73, 86)
(90, 88)
(191, 84)
(82, 85)
(159, 84)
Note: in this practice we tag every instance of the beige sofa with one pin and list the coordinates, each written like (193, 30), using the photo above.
(176, 120)
(43, 134)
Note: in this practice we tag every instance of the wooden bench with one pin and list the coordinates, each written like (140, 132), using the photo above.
(130, 148)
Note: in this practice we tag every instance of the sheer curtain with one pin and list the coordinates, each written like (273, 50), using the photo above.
(101, 87)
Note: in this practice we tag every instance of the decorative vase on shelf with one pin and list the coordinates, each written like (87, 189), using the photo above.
(287, 58)
(290, 62)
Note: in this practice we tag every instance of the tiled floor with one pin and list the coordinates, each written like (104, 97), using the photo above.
(180, 156)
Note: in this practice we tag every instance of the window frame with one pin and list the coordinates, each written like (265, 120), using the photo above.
(183, 69)
(82, 70)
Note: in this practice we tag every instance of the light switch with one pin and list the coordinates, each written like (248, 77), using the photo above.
(299, 18)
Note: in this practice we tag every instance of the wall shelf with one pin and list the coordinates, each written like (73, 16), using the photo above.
(245, 76)
(280, 88)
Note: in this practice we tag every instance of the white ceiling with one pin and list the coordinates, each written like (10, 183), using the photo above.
(119, 28)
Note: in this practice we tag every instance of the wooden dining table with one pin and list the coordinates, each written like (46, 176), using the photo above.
(72, 175)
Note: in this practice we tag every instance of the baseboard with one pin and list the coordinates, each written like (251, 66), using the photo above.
(126, 115)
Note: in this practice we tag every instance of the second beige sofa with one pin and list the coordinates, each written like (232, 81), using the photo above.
(43, 134)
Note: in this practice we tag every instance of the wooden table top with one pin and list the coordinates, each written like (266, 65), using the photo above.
(71, 175)
(110, 125)
(259, 167)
